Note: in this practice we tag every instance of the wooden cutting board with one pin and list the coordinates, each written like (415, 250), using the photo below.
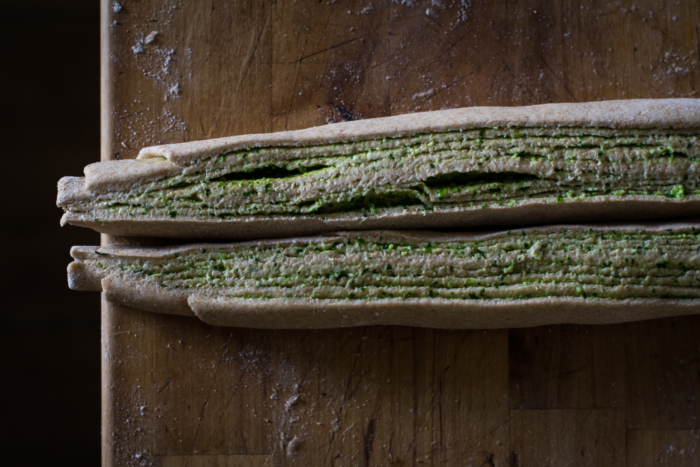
(177, 392)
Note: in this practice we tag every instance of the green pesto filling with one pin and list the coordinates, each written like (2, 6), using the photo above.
(478, 168)
(513, 265)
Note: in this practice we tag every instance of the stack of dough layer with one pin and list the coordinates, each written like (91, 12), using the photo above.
(465, 167)
(529, 277)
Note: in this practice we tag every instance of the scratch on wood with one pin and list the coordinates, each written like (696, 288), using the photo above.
(246, 66)
(567, 374)
(449, 49)
(201, 124)
(224, 350)
(495, 76)
(296, 78)
(330, 13)
(131, 115)
(235, 390)
(381, 63)
(363, 71)
(558, 79)
(440, 421)
(143, 329)
(432, 95)
(347, 389)
(164, 386)
(327, 49)
(369, 440)
(434, 21)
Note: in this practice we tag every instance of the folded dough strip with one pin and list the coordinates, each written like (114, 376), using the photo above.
(644, 271)
(648, 130)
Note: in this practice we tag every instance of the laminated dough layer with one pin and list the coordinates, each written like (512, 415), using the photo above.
(614, 160)
(590, 274)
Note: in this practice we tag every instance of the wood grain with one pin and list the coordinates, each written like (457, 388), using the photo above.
(585, 437)
(216, 461)
(177, 392)
(663, 374)
(566, 367)
(677, 448)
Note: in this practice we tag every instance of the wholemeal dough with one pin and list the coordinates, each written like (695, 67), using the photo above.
(459, 168)
(587, 274)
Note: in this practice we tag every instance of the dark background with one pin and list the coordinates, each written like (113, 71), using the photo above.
(50, 338)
